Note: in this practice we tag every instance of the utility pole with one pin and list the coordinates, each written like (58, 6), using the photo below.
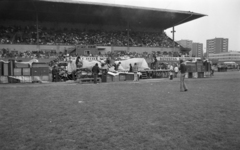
(37, 31)
(37, 28)
(173, 31)
(33, 2)
(128, 36)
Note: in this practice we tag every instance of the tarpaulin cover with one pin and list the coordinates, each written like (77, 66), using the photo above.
(71, 66)
(117, 73)
(90, 63)
(141, 62)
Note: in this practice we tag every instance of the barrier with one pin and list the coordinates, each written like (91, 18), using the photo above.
(11, 67)
(186, 75)
(88, 80)
(200, 74)
(190, 75)
(115, 78)
(40, 78)
(3, 79)
(1, 68)
(109, 78)
(12, 79)
(40, 72)
(195, 75)
(45, 78)
(129, 77)
(26, 71)
(122, 77)
(6, 69)
(26, 79)
(104, 75)
(157, 73)
(17, 72)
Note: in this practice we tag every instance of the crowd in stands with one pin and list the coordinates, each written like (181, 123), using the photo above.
(28, 35)
(51, 36)
(6, 53)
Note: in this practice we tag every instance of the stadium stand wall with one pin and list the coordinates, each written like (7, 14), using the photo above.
(58, 48)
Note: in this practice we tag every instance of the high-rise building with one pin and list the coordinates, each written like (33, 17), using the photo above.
(197, 49)
(186, 44)
(217, 45)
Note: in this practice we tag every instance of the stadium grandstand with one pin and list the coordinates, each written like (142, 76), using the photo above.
(50, 27)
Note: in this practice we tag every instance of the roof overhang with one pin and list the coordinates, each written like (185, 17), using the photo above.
(94, 13)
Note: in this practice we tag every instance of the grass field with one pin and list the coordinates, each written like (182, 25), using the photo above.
(149, 115)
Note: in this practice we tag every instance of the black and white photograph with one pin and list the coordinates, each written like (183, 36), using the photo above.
(119, 75)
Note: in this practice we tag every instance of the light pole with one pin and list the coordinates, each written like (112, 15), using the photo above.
(37, 29)
(173, 31)
(128, 36)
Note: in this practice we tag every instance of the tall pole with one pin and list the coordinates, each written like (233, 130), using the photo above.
(128, 36)
(37, 31)
(33, 2)
(173, 31)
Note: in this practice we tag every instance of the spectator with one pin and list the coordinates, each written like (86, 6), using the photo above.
(116, 66)
(183, 69)
(130, 68)
(95, 71)
(28, 35)
(78, 62)
(176, 71)
(135, 70)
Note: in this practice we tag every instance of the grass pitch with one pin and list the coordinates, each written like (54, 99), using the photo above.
(122, 116)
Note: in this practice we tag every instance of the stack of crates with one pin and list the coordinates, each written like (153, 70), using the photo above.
(109, 78)
(129, 77)
(104, 75)
(11, 66)
(112, 78)
(191, 69)
(200, 69)
(23, 70)
(122, 77)
(3, 75)
(207, 69)
(6, 70)
(40, 72)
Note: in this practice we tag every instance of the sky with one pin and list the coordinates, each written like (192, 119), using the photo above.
(222, 20)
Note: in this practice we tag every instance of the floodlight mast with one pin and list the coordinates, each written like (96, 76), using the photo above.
(37, 25)
(37, 30)
(173, 31)
(128, 35)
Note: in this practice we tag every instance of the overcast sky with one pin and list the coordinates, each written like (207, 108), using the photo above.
(222, 20)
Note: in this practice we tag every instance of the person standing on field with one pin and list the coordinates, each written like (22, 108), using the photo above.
(130, 68)
(176, 71)
(212, 70)
(135, 70)
(95, 71)
(183, 70)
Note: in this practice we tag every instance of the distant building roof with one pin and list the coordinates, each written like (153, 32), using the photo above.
(235, 52)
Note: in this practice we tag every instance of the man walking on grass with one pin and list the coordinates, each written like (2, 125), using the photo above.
(183, 70)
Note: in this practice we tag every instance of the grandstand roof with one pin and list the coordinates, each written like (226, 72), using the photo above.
(94, 13)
